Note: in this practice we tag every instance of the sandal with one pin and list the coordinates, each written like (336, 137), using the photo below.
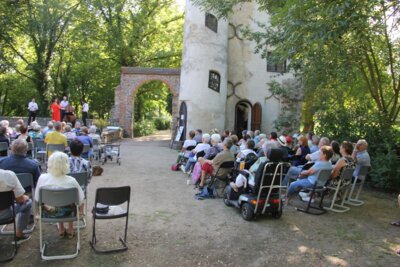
(71, 235)
(396, 223)
(62, 235)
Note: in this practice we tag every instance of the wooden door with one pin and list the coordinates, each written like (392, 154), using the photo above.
(256, 117)
(183, 120)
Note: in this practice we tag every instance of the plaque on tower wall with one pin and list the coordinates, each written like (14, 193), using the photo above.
(214, 81)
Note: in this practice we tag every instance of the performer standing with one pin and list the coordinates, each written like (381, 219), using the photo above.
(64, 103)
(55, 109)
(33, 108)
(85, 110)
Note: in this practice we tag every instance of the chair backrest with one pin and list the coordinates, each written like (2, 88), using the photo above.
(3, 146)
(250, 159)
(6, 199)
(265, 175)
(39, 144)
(30, 146)
(80, 177)
(190, 148)
(323, 177)
(200, 154)
(276, 155)
(58, 197)
(55, 147)
(113, 196)
(86, 148)
(227, 165)
(26, 179)
(347, 175)
(96, 142)
(364, 170)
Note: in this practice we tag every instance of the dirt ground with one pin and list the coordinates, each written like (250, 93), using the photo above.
(168, 227)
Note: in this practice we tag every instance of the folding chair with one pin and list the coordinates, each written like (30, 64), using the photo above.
(4, 147)
(319, 187)
(7, 202)
(26, 180)
(53, 148)
(111, 196)
(39, 149)
(85, 151)
(82, 179)
(218, 181)
(30, 148)
(362, 174)
(96, 149)
(342, 186)
(58, 198)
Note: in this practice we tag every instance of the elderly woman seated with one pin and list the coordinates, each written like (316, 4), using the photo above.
(69, 133)
(203, 146)
(211, 166)
(249, 149)
(215, 148)
(58, 167)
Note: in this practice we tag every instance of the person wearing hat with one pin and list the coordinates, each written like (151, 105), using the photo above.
(283, 143)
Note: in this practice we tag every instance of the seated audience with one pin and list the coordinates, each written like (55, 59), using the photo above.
(36, 131)
(94, 135)
(361, 156)
(235, 147)
(256, 138)
(86, 140)
(346, 161)
(199, 136)
(211, 166)
(69, 133)
(301, 153)
(25, 136)
(58, 167)
(56, 137)
(203, 146)
(336, 152)
(18, 162)
(215, 148)
(309, 177)
(4, 139)
(9, 130)
(9, 181)
(48, 129)
(314, 144)
(77, 129)
(249, 149)
(284, 145)
(76, 162)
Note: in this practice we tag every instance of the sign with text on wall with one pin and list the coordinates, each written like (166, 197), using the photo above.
(179, 133)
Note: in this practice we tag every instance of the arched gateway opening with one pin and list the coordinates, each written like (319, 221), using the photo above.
(134, 78)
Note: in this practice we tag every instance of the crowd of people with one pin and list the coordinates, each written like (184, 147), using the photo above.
(203, 153)
(21, 140)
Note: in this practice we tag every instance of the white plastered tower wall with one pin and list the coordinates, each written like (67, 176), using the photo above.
(247, 71)
(204, 50)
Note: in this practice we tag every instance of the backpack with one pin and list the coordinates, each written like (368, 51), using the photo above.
(175, 167)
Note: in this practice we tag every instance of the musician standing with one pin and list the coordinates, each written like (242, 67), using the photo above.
(64, 103)
(33, 108)
(85, 110)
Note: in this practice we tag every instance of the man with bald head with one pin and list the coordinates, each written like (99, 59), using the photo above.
(361, 156)
(18, 162)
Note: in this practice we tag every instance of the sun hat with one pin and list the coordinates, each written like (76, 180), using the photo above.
(282, 140)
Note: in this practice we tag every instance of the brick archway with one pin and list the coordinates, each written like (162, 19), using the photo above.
(134, 78)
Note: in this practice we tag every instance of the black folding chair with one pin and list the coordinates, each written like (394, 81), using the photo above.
(218, 181)
(111, 196)
(4, 148)
(319, 187)
(7, 202)
(82, 179)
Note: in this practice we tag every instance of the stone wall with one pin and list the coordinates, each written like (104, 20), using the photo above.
(134, 78)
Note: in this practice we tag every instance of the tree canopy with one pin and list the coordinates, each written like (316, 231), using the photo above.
(76, 48)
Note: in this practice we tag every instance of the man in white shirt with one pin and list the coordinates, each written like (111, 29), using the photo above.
(33, 108)
(64, 103)
(85, 110)
(9, 182)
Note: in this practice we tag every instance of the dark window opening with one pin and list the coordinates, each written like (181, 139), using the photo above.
(211, 22)
(214, 81)
(272, 66)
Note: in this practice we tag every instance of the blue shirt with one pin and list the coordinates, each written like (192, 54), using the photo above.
(21, 164)
(86, 140)
(319, 165)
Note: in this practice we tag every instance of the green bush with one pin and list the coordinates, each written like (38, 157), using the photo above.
(143, 128)
(162, 123)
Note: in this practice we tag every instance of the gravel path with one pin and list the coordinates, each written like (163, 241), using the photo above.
(168, 227)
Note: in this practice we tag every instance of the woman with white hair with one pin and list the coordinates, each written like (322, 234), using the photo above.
(58, 167)
(215, 147)
(93, 134)
(203, 146)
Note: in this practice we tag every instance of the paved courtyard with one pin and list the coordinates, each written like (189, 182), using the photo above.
(168, 227)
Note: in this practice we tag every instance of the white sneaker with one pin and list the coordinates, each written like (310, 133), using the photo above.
(306, 199)
(183, 169)
(303, 194)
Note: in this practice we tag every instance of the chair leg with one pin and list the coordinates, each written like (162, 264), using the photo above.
(355, 201)
(319, 208)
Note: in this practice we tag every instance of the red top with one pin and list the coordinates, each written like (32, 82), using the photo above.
(56, 115)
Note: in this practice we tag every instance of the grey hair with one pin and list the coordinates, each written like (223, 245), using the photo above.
(228, 143)
(92, 129)
(269, 145)
(206, 137)
(216, 137)
(324, 141)
(19, 147)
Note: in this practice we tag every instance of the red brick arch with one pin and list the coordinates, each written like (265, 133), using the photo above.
(134, 78)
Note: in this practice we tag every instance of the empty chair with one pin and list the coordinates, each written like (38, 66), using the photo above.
(362, 175)
(51, 148)
(7, 202)
(110, 196)
(26, 180)
(319, 187)
(58, 198)
(342, 187)
(82, 179)
(39, 149)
